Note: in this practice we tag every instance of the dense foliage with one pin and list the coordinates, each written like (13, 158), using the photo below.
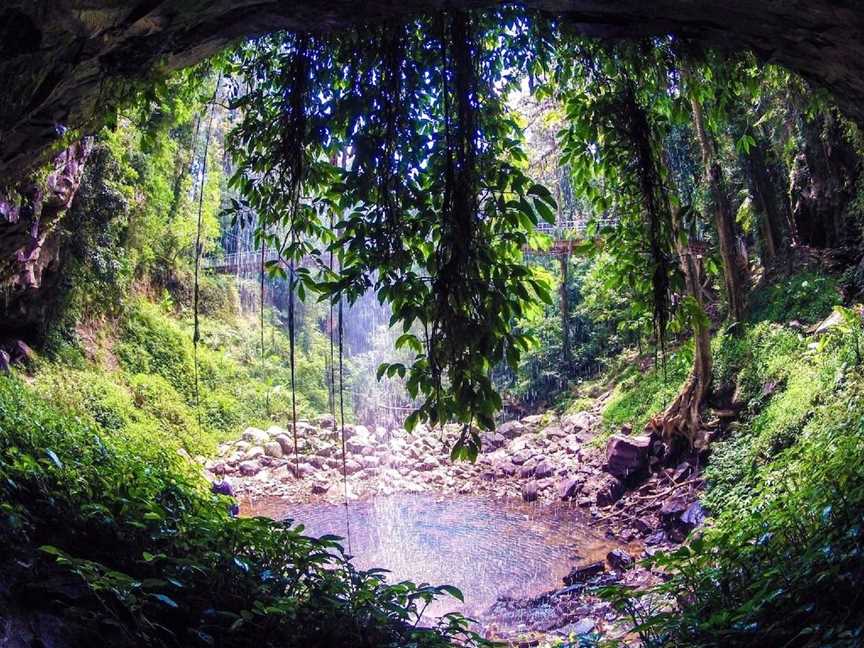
(122, 534)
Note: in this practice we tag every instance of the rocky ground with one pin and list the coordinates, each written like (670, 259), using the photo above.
(621, 483)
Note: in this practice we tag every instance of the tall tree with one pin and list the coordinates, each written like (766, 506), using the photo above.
(735, 266)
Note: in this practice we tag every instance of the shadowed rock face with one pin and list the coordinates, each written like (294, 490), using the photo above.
(60, 60)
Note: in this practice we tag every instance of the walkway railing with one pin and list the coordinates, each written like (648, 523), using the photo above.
(564, 232)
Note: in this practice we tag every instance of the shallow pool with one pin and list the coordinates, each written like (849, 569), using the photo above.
(486, 548)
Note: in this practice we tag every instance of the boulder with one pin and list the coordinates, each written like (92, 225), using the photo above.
(305, 469)
(544, 469)
(360, 431)
(357, 443)
(352, 466)
(584, 573)
(578, 422)
(521, 457)
(317, 461)
(20, 353)
(274, 431)
(553, 432)
(526, 471)
(568, 488)
(326, 422)
(534, 420)
(249, 468)
(253, 451)
(619, 559)
(492, 440)
(255, 435)
(273, 449)
(370, 462)
(610, 490)
(510, 429)
(530, 491)
(285, 442)
(507, 468)
(5, 362)
(320, 486)
(627, 455)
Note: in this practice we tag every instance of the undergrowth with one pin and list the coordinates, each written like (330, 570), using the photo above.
(119, 535)
(780, 562)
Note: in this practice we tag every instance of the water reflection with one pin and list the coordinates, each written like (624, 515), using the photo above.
(487, 548)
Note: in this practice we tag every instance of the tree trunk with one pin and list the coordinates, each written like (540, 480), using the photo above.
(764, 198)
(565, 309)
(683, 418)
(734, 267)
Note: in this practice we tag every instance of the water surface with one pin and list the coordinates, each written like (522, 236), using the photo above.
(486, 548)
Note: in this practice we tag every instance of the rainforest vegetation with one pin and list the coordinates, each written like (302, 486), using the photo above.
(545, 218)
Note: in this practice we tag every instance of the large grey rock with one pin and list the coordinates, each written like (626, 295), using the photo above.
(610, 489)
(253, 452)
(627, 455)
(544, 469)
(530, 491)
(568, 488)
(326, 421)
(511, 429)
(255, 435)
(273, 449)
(578, 422)
(249, 468)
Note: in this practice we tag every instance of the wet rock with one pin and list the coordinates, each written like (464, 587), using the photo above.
(694, 516)
(526, 471)
(682, 472)
(610, 489)
(249, 468)
(255, 436)
(643, 525)
(530, 491)
(5, 362)
(627, 455)
(273, 449)
(619, 559)
(370, 462)
(568, 488)
(533, 420)
(584, 573)
(319, 486)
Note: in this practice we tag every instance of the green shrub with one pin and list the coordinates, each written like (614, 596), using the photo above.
(782, 560)
(152, 343)
(807, 297)
(163, 562)
(640, 394)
